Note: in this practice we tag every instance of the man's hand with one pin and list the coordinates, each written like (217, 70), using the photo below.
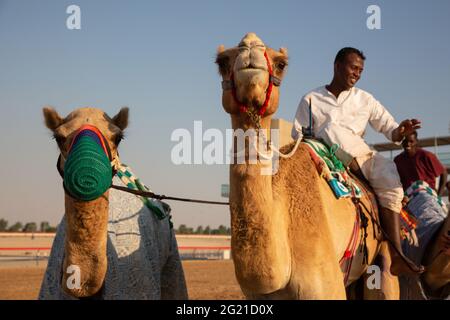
(405, 201)
(405, 128)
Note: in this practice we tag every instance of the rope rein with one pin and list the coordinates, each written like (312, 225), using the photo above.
(149, 194)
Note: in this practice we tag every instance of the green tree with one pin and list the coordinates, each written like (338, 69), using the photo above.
(51, 229)
(222, 229)
(182, 229)
(207, 230)
(30, 227)
(3, 225)
(199, 230)
(16, 227)
(44, 226)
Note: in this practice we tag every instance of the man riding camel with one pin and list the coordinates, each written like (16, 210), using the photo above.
(339, 113)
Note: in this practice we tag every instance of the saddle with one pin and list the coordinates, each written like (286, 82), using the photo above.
(346, 183)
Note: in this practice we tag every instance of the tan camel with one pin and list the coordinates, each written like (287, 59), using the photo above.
(110, 245)
(87, 221)
(288, 230)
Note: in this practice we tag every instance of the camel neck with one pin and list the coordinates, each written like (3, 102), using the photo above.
(87, 218)
(85, 242)
(258, 223)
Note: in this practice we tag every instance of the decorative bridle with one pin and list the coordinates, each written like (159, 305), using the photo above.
(253, 115)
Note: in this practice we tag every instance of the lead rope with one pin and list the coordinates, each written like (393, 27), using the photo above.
(135, 187)
(149, 194)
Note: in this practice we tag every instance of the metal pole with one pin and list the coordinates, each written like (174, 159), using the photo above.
(435, 145)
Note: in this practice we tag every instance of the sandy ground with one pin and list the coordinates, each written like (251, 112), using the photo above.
(210, 280)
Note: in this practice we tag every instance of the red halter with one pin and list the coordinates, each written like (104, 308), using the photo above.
(244, 108)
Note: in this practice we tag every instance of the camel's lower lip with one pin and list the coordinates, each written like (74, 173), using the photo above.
(252, 69)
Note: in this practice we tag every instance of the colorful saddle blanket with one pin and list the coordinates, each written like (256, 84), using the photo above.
(409, 214)
(421, 186)
(332, 169)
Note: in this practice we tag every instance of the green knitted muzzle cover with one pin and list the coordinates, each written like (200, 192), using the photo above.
(87, 170)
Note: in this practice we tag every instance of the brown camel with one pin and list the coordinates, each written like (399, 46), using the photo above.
(437, 275)
(122, 250)
(288, 230)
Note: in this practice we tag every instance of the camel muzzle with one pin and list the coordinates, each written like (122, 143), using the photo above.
(87, 171)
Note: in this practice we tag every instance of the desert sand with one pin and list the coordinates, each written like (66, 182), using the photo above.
(206, 280)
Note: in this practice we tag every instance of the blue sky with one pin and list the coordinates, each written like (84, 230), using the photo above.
(157, 58)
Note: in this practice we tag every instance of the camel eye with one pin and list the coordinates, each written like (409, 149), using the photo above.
(119, 137)
(281, 65)
(60, 140)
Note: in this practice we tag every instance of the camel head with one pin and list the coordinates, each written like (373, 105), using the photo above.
(87, 139)
(65, 129)
(251, 73)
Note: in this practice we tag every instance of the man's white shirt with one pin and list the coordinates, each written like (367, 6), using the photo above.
(343, 120)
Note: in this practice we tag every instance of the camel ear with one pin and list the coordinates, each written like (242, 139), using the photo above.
(52, 119)
(121, 119)
(220, 49)
(223, 62)
(284, 51)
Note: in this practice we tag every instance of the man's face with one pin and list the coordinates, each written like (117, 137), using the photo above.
(410, 144)
(349, 71)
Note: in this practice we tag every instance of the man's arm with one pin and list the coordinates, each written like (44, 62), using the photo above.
(382, 121)
(448, 190)
(442, 183)
(301, 119)
(438, 170)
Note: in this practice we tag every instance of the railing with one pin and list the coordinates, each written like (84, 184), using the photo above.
(186, 253)
(204, 253)
(444, 157)
(24, 254)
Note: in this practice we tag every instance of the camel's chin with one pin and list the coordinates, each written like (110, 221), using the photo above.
(251, 86)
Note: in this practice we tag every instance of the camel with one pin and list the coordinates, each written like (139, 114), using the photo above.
(119, 247)
(435, 282)
(288, 229)
(437, 275)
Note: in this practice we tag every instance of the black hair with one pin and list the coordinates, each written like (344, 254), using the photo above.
(414, 133)
(340, 56)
